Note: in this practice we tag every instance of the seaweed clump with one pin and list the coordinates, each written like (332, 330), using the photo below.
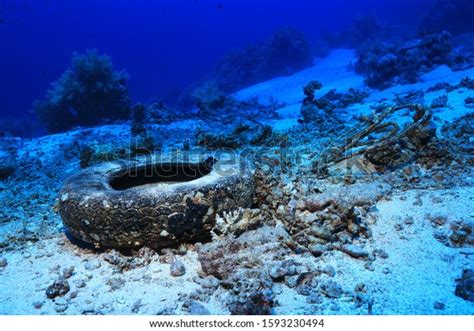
(87, 94)
(385, 64)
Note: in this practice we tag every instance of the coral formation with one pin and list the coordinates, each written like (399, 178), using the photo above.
(321, 109)
(88, 93)
(385, 64)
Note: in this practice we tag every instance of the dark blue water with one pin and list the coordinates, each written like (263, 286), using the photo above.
(165, 44)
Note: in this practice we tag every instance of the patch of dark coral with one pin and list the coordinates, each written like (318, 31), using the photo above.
(465, 285)
(90, 92)
(384, 64)
(321, 109)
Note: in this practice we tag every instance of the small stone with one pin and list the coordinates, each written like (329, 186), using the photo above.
(368, 266)
(314, 298)
(438, 305)
(115, 283)
(92, 264)
(331, 289)
(195, 308)
(277, 272)
(398, 227)
(386, 270)
(381, 253)
(317, 249)
(354, 251)
(59, 288)
(73, 295)
(177, 268)
(329, 270)
(465, 285)
(79, 283)
(408, 221)
(164, 233)
(61, 308)
(292, 281)
(3, 262)
(38, 304)
(68, 272)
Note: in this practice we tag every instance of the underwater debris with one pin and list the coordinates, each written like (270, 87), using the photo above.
(396, 147)
(384, 65)
(90, 92)
(108, 205)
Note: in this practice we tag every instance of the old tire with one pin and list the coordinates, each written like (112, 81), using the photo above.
(124, 205)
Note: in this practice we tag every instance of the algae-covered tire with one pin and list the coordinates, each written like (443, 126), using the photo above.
(154, 203)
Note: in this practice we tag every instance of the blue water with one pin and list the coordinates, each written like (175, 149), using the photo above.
(165, 45)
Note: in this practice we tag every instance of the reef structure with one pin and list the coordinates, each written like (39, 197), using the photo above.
(156, 203)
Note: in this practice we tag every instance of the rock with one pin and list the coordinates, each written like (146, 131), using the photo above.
(195, 308)
(38, 304)
(6, 170)
(3, 262)
(59, 288)
(465, 285)
(92, 264)
(278, 272)
(61, 305)
(80, 283)
(259, 303)
(177, 268)
(68, 272)
(329, 270)
(331, 289)
(314, 298)
(305, 283)
(354, 251)
(115, 283)
(438, 305)
(317, 249)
